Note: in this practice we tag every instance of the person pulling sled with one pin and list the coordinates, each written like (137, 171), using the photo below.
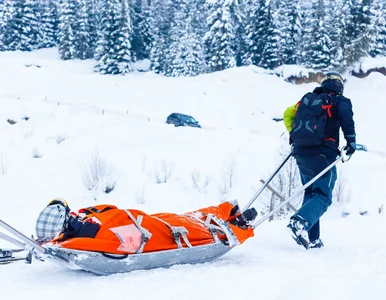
(314, 124)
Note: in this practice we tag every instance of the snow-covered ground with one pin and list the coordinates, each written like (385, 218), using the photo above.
(68, 117)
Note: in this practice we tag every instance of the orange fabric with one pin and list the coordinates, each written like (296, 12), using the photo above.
(162, 238)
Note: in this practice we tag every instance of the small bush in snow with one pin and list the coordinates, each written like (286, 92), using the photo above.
(141, 195)
(98, 175)
(339, 196)
(60, 138)
(199, 184)
(36, 153)
(286, 181)
(3, 164)
(163, 171)
(228, 177)
(144, 163)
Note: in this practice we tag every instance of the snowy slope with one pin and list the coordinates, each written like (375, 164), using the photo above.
(74, 113)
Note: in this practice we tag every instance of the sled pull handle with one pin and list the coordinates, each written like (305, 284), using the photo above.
(257, 194)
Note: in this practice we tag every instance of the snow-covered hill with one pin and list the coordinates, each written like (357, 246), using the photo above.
(68, 117)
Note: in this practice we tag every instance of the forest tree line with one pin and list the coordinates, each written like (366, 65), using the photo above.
(191, 37)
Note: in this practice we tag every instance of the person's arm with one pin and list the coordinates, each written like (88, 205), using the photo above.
(77, 228)
(289, 116)
(345, 114)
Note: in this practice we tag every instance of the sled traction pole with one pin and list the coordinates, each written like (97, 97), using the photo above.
(257, 194)
(301, 189)
(22, 237)
(31, 245)
(12, 240)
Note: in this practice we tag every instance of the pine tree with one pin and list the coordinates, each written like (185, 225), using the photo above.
(116, 29)
(82, 39)
(318, 50)
(67, 30)
(220, 39)
(93, 21)
(257, 24)
(6, 11)
(336, 18)
(21, 30)
(272, 56)
(360, 34)
(49, 24)
(379, 23)
(289, 25)
(185, 54)
(143, 32)
(162, 12)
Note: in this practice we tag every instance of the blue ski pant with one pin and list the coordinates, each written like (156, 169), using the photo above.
(318, 196)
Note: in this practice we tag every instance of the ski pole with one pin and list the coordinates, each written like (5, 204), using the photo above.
(257, 194)
(301, 189)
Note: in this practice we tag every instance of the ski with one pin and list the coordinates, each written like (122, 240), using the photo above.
(7, 260)
(9, 252)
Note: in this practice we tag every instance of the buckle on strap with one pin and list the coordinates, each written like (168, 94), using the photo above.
(177, 232)
(146, 235)
(223, 228)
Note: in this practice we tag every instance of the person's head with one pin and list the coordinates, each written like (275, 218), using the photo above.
(333, 81)
(52, 220)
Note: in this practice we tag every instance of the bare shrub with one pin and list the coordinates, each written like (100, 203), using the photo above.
(141, 195)
(3, 163)
(200, 184)
(228, 176)
(98, 175)
(287, 180)
(163, 171)
(60, 138)
(339, 196)
(144, 163)
(36, 153)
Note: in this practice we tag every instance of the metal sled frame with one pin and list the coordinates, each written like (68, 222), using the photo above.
(107, 263)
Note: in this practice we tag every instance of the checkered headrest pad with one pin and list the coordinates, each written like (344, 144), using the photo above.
(51, 222)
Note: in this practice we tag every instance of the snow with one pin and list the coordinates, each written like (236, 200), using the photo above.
(370, 63)
(74, 113)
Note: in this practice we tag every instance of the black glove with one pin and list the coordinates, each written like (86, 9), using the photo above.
(350, 148)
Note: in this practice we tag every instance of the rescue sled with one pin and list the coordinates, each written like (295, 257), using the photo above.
(108, 263)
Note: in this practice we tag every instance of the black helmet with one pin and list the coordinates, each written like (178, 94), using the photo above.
(333, 81)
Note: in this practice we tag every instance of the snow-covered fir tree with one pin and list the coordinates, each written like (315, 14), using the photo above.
(82, 39)
(360, 32)
(379, 23)
(93, 21)
(317, 38)
(67, 25)
(185, 54)
(21, 31)
(272, 56)
(289, 24)
(143, 29)
(49, 24)
(6, 11)
(162, 12)
(220, 39)
(116, 27)
(336, 20)
(257, 24)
